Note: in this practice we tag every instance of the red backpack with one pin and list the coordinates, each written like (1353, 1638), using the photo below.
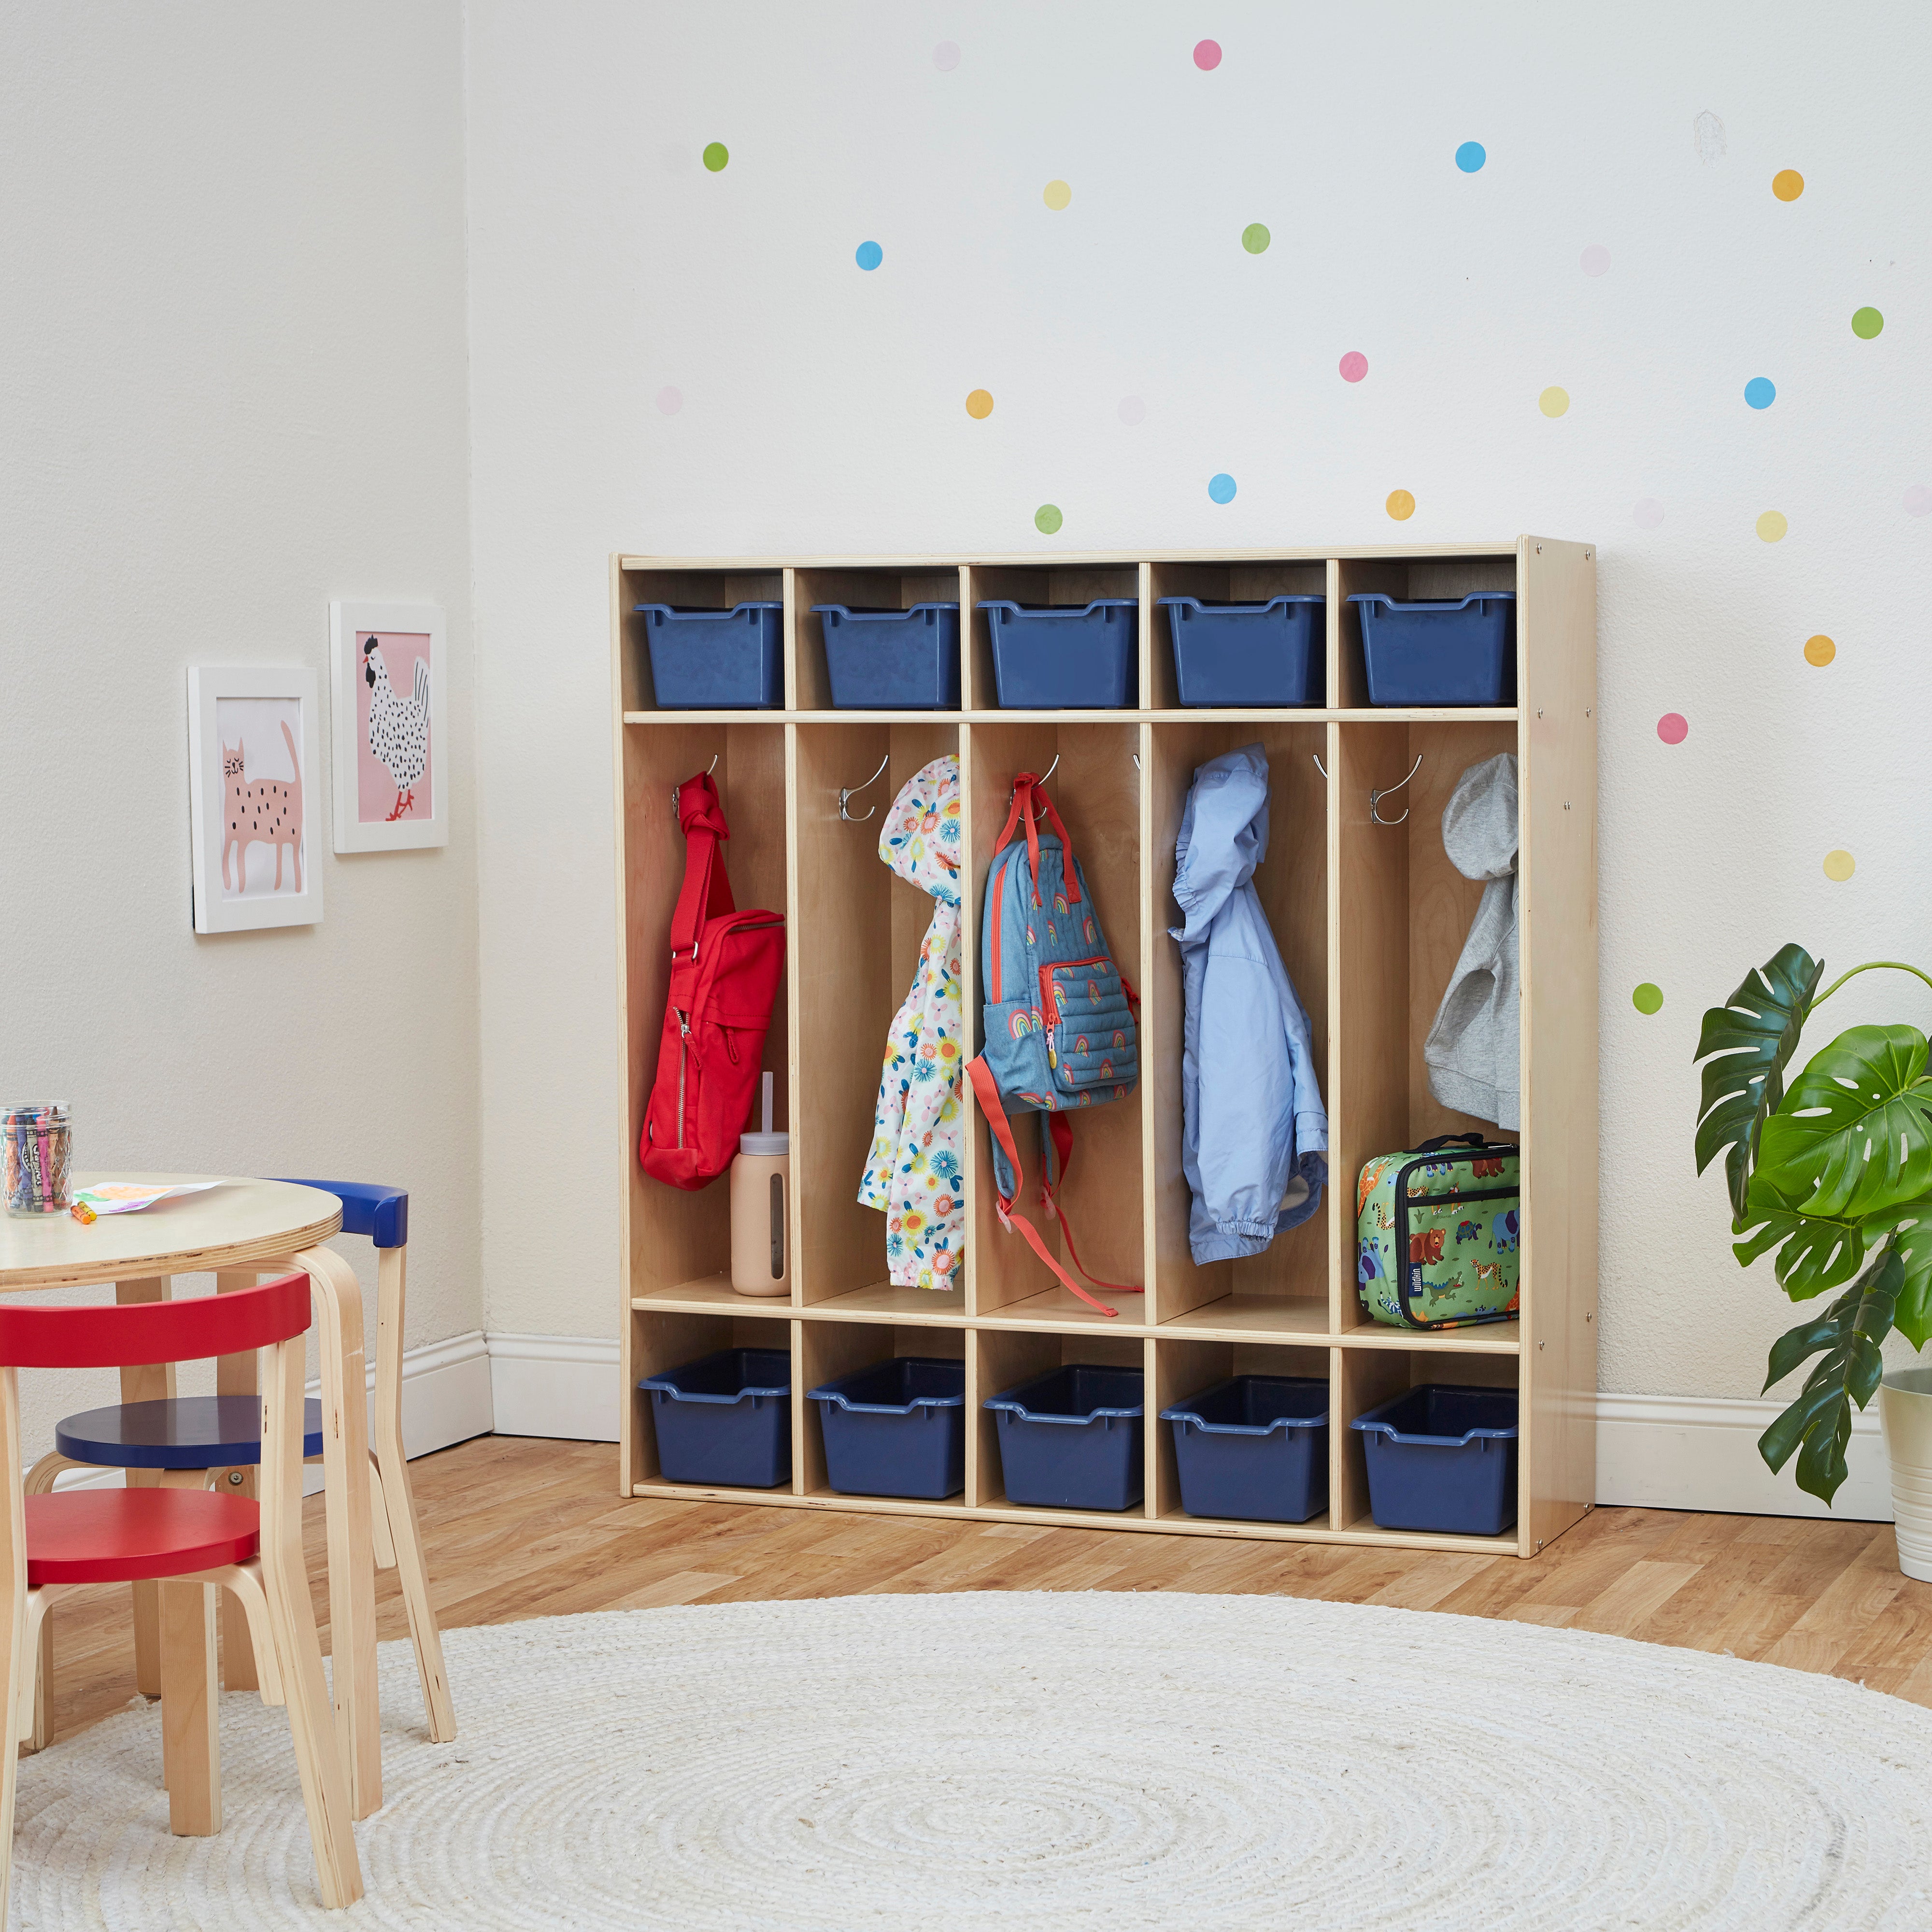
(725, 970)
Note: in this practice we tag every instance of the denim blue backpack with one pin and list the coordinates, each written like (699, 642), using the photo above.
(1059, 1018)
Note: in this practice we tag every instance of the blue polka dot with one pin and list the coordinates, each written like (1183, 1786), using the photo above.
(1222, 488)
(1470, 156)
(870, 255)
(1760, 392)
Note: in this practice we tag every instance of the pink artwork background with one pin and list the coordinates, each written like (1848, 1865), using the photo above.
(375, 789)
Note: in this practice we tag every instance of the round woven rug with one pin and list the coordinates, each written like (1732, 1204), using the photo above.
(1123, 1761)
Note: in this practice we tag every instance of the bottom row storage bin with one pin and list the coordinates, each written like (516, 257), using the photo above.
(896, 1429)
(725, 1419)
(1072, 1439)
(1443, 1457)
(1254, 1449)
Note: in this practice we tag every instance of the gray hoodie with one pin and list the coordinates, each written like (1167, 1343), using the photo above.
(1473, 1049)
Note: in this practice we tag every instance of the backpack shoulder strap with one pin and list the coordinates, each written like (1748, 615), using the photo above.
(1030, 804)
(706, 892)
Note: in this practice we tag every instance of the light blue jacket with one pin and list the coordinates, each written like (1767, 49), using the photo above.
(1255, 1133)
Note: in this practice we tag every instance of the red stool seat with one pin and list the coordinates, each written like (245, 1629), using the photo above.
(120, 1536)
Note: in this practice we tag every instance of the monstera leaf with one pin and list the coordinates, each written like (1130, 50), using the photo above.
(1756, 1032)
(1854, 1135)
(1818, 1424)
(1909, 1229)
(1816, 1251)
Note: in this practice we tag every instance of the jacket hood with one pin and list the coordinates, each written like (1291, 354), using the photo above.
(920, 838)
(1479, 823)
(1224, 835)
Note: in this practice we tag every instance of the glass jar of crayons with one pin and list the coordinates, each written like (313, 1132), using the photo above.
(36, 1157)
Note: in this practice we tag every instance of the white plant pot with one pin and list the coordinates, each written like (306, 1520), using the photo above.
(1905, 1414)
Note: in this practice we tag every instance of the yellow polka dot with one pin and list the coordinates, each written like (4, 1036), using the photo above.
(1787, 185)
(1401, 506)
(1820, 649)
(1553, 402)
(1772, 525)
(1840, 866)
(980, 404)
(1058, 195)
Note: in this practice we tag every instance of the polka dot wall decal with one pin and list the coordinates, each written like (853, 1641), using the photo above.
(1647, 513)
(1760, 392)
(1254, 238)
(980, 404)
(946, 55)
(869, 255)
(1401, 506)
(1867, 323)
(1047, 519)
(716, 156)
(1919, 500)
(1596, 259)
(1207, 55)
(1221, 488)
(1553, 402)
(1058, 194)
(1840, 866)
(669, 400)
(1354, 366)
(1787, 185)
(1471, 156)
(1132, 411)
(1648, 998)
(1673, 727)
(1820, 650)
(1772, 526)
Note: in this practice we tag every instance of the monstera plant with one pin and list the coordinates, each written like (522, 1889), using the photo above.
(1834, 1172)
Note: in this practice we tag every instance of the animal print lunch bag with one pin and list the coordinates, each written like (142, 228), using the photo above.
(1439, 1234)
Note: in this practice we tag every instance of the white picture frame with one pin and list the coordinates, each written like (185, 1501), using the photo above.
(412, 763)
(254, 740)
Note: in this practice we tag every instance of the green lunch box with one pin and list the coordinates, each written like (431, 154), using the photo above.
(1439, 1234)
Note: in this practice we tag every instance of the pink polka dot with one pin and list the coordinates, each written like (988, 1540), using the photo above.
(1647, 513)
(669, 400)
(1673, 728)
(1354, 366)
(1918, 500)
(1596, 259)
(946, 55)
(1207, 55)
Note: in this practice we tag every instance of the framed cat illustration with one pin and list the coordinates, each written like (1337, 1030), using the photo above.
(254, 802)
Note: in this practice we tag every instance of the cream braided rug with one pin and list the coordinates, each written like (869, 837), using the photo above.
(1086, 1760)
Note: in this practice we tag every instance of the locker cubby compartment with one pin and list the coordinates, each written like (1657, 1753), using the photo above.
(1408, 579)
(1404, 913)
(1036, 586)
(678, 1243)
(1096, 790)
(829, 1349)
(1185, 1368)
(1284, 1290)
(859, 589)
(856, 949)
(688, 589)
(1248, 581)
(1005, 1357)
(662, 1339)
(1364, 1377)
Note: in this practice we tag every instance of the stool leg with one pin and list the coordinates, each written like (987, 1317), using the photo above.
(40, 1481)
(237, 1375)
(153, 1382)
(190, 1724)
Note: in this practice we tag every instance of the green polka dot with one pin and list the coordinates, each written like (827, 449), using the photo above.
(1046, 519)
(1647, 998)
(716, 156)
(1867, 323)
(1254, 238)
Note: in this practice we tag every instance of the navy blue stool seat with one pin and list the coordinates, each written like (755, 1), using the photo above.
(193, 1431)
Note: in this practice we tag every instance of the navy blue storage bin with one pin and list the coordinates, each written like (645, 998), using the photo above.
(892, 660)
(1443, 1457)
(898, 1429)
(716, 660)
(1460, 651)
(1254, 1449)
(1071, 1439)
(1065, 658)
(1249, 654)
(725, 1419)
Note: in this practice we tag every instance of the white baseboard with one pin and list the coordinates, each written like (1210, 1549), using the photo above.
(557, 1385)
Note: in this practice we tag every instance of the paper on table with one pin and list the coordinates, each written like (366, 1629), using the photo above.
(130, 1197)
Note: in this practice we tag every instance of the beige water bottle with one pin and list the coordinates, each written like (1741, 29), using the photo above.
(761, 1210)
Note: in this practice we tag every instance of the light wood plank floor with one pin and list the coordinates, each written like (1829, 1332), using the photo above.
(517, 1528)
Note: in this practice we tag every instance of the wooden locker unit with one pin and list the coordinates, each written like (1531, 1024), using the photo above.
(1369, 917)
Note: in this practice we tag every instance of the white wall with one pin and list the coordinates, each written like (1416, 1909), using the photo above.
(232, 321)
(823, 410)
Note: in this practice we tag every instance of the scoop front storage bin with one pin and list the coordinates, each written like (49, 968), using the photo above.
(1071, 1439)
(1454, 653)
(1248, 654)
(1254, 1449)
(1066, 658)
(716, 660)
(1443, 1457)
(892, 660)
(897, 1428)
(725, 1419)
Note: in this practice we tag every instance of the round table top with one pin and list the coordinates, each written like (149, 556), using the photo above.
(242, 1221)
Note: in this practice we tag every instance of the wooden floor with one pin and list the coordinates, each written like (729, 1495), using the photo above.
(517, 1528)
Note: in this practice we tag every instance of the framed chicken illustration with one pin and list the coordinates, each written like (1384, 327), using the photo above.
(391, 780)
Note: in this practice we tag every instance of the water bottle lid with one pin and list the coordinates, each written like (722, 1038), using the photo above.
(767, 1145)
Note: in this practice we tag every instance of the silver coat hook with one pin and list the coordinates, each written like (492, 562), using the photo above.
(1136, 756)
(1376, 797)
(675, 789)
(852, 791)
(1318, 765)
(1045, 776)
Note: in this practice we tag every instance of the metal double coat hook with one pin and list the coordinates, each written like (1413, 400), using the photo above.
(1376, 797)
(849, 792)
